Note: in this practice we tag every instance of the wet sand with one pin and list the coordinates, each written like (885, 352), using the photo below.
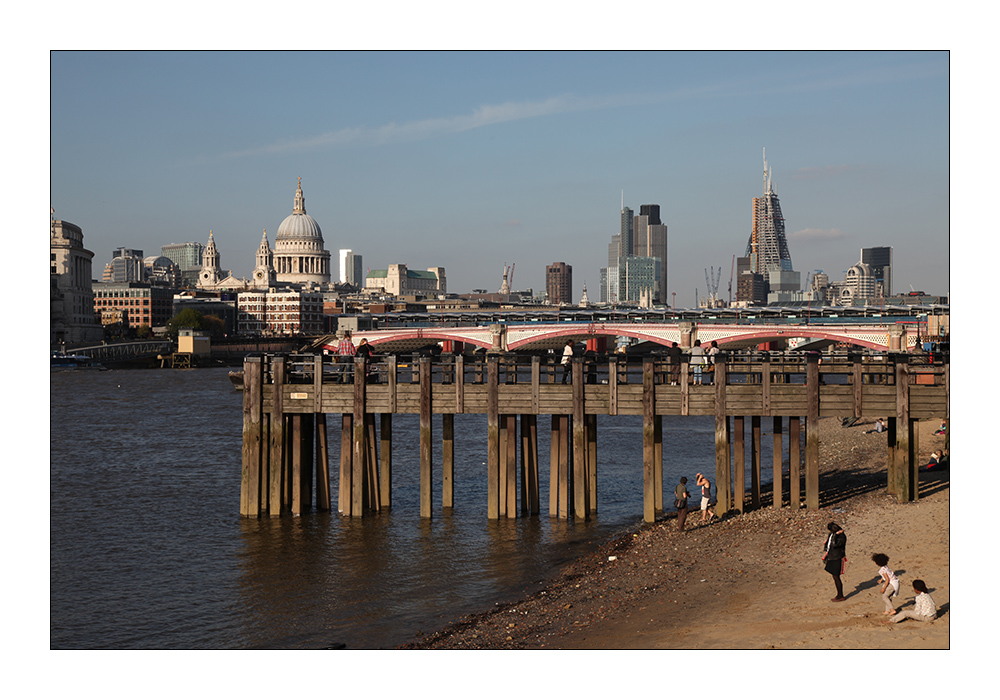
(753, 581)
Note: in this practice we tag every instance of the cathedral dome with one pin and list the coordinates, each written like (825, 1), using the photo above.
(299, 226)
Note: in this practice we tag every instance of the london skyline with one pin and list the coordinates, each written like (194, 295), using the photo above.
(473, 160)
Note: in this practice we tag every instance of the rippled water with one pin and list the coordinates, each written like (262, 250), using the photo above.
(148, 549)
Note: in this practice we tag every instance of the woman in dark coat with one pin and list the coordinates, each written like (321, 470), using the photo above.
(836, 558)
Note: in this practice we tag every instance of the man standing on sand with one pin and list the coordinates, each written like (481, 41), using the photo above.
(681, 502)
(706, 497)
(835, 558)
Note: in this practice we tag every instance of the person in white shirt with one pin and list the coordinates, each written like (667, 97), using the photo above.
(567, 358)
(924, 609)
(890, 584)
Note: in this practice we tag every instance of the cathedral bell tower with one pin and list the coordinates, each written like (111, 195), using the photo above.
(211, 273)
(263, 274)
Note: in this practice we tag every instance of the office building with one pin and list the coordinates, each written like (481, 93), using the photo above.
(351, 270)
(879, 262)
(125, 266)
(649, 239)
(188, 259)
(559, 283)
(398, 280)
(133, 303)
(279, 312)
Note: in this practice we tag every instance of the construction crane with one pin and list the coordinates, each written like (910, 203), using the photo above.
(712, 282)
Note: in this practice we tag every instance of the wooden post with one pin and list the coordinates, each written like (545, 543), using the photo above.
(308, 459)
(890, 461)
(447, 460)
(592, 466)
(459, 384)
(297, 458)
(812, 432)
(510, 467)
(536, 377)
(322, 464)
(358, 461)
(554, 461)
(755, 462)
(252, 410)
(493, 438)
(390, 370)
(529, 463)
(502, 465)
(373, 494)
(277, 438)
(739, 465)
(648, 443)
(385, 455)
(580, 480)
(344, 486)
(776, 450)
(914, 460)
(722, 475)
(765, 385)
(904, 431)
(794, 470)
(426, 446)
(565, 465)
(613, 386)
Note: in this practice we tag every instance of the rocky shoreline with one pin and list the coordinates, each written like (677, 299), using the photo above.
(656, 587)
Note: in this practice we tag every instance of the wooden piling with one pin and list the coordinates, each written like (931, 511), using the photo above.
(385, 459)
(739, 466)
(297, 459)
(648, 443)
(344, 486)
(580, 476)
(812, 432)
(722, 473)
(903, 473)
(529, 464)
(755, 462)
(592, 466)
(426, 445)
(794, 468)
(252, 411)
(776, 459)
(492, 438)
(276, 437)
(554, 460)
(358, 456)
(447, 460)
(322, 464)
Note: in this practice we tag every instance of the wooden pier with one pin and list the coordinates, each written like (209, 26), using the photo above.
(287, 400)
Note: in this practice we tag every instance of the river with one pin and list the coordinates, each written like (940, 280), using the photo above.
(148, 549)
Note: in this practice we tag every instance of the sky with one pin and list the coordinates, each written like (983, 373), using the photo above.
(477, 160)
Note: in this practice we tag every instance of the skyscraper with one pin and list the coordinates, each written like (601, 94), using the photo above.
(767, 247)
(879, 260)
(559, 283)
(351, 270)
(649, 239)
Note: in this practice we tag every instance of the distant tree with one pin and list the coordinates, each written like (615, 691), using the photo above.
(144, 331)
(215, 326)
(187, 318)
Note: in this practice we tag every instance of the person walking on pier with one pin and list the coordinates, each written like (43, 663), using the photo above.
(365, 350)
(707, 511)
(345, 351)
(674, 353)
(697, 360)
(567, 359)
(836, 558)
(681, 502)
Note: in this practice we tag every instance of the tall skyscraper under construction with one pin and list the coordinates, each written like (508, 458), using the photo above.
(767, 247)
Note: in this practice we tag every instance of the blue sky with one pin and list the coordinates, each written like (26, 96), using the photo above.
(473, 160)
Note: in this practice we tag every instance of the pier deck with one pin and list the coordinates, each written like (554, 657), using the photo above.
(286, 400)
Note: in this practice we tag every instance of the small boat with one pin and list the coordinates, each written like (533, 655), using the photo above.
(62, 362)
(236, 377)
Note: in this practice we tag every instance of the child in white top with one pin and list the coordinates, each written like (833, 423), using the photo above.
(924, 608)
(890, 584)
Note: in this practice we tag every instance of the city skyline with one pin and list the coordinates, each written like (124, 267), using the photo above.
(470, 161)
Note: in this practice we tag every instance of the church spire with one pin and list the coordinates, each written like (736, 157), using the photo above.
(300, 200)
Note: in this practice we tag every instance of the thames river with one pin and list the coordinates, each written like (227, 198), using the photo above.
(148, 550)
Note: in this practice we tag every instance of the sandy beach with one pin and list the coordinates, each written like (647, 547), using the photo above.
(753, 581)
